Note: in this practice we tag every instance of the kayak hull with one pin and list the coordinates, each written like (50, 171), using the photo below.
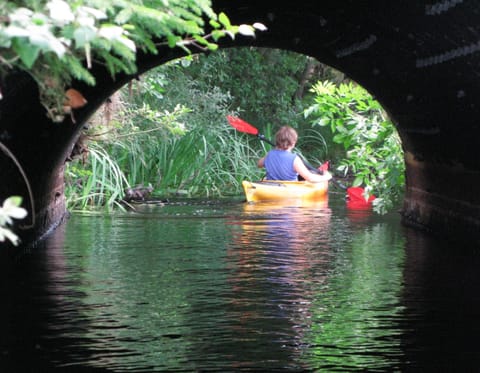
(278, 190)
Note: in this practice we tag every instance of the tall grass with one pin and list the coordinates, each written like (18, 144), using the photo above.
(102, 183)
(209, 162)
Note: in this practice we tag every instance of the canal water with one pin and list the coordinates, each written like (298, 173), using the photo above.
(227, 286)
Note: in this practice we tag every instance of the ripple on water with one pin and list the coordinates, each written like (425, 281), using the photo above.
(231, 287)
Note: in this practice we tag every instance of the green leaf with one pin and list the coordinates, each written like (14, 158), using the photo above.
(77, 70)
(84, 35)
(338, 138)
(358, 181)
(222, 17)
(14, 200)
(214, 24)
(200, 39)
(124, 16)
(217, 34)
(324, 122)
(172, 40)
(27, 52)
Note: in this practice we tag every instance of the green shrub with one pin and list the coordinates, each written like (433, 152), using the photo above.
(374, 156)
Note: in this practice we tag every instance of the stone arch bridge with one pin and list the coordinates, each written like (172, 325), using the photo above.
(419, 58)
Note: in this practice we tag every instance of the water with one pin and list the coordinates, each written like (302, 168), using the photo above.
(226, 286)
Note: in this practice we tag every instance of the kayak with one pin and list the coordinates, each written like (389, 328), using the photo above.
(277, 190)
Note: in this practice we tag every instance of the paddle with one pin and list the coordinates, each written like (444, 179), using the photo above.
(245, 127)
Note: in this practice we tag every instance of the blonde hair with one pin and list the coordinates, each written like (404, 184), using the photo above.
(285, 137)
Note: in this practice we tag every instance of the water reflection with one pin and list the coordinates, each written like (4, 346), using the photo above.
(279, 251)
(232, 286)
(355, 316)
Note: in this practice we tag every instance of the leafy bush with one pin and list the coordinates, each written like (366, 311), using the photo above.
(374, 155)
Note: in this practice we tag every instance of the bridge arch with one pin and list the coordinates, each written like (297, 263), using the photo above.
(419, 59)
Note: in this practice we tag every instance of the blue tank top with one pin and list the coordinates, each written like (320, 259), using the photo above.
(279, 165)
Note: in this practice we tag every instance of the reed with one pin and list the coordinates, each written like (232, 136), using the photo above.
(100, 183)
(208, 162)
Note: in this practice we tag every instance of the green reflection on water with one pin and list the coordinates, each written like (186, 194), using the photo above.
(354, 316)
(142, 275)
(192, 287)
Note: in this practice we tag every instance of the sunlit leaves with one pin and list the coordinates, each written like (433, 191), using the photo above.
(260, 26)
(108, 31)
(246, 30)
(223, 19)
(83, 35)
(60, 12)
(373, 147)
(218, 34)
(10, 210)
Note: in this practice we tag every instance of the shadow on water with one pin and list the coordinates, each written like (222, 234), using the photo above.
(441, 324)
(232, 286)
(37, 293)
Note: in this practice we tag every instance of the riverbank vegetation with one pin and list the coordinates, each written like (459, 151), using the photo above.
(169, 129)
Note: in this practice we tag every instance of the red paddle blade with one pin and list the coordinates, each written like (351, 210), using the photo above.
(241, 125)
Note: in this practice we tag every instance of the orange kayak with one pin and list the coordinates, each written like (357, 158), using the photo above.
(277, 190)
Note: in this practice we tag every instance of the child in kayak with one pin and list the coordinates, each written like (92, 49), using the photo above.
(281, 164)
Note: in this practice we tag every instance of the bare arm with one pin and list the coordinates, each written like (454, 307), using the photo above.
(261, 162)
(304, 172)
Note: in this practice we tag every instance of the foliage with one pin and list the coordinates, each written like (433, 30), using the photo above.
(373, 148)
(263, 93)
(200, 154)
(10, 210)
(57, 41)
(182, 151)
(171, 131)
(103, 183)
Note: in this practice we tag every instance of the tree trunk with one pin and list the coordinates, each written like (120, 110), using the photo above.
(307, 74)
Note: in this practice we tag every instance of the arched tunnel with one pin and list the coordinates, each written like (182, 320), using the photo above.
(419, 59)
